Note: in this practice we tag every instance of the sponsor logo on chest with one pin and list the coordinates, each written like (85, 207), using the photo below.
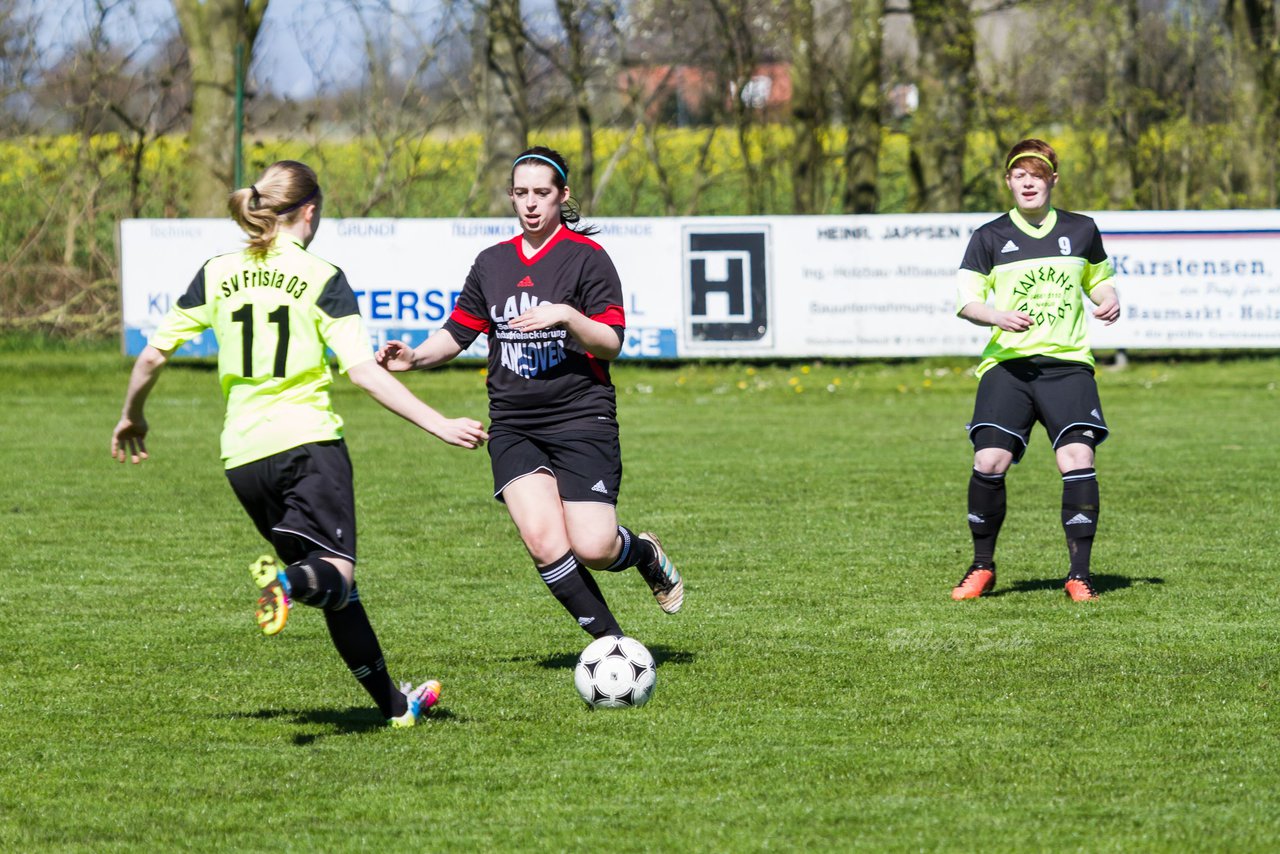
(516, 305)
(526, 354)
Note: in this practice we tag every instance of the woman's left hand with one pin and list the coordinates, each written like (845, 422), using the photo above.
(1108, 311)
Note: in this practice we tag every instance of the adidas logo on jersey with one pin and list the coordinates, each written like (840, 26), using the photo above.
(1079, 519)
(600, 487)
(1094, 413)
(1009, 247)
(526, 282)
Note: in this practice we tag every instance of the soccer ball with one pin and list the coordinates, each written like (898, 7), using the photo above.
(615, 672)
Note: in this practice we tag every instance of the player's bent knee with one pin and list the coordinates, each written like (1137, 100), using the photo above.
(598, 546)
(992, 460)
(544, 546)
(995, 450)
(1074, 456)
(324, 581)
(342, 564)
(596, 555)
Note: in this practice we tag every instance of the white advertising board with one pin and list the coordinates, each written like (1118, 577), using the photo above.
(765, 287)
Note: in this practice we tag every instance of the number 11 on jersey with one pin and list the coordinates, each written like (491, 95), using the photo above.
(280, 317)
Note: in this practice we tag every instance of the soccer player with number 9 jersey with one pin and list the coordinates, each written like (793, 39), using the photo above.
(1026, 274)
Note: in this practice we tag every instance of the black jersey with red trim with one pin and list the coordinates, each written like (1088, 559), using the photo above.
(542, 380)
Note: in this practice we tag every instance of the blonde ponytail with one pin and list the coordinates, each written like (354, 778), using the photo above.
(274, 199)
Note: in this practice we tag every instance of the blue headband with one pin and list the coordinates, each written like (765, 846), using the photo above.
(554, 165)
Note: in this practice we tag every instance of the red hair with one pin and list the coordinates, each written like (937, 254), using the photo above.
(1031, 155)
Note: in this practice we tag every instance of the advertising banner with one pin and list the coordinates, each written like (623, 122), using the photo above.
(766, 287)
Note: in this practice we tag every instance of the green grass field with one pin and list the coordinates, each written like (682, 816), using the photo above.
(819, 690)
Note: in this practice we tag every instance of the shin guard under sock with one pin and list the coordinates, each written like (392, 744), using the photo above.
(986, 515)
(571, 583)
(357, 643)
(1080, 505)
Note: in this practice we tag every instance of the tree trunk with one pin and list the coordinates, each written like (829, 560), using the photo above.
(739, 58)
(577, 72)
(1124, 130)
(945, 78)
(1255, 49)
(211, 30)
(504, 102)
(862, 106)
(808, 111)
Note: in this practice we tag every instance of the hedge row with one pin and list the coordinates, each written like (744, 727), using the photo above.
(61, 197)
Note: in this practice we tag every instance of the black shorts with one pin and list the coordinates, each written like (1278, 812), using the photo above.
(301, 500)
(587, 463)
(1015, 394)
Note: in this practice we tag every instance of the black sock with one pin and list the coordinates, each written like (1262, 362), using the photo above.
(316, 582)
(635, 551)
(1080, 504)
(572, 584)
(986, 515)
(356, 642)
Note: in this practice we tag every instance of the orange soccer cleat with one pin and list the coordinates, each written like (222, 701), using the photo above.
(977, 581)
(1080, 589)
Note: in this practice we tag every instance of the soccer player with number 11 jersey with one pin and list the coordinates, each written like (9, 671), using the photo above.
(275, 308)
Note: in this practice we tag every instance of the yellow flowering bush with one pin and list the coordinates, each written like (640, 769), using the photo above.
(62, 196)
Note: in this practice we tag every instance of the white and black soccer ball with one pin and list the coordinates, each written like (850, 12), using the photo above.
(615, 672)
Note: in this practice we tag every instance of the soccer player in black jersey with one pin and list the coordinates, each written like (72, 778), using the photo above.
(1035, 264)
(275, 308)
(550, 302)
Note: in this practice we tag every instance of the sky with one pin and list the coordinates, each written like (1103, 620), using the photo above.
(295, 35)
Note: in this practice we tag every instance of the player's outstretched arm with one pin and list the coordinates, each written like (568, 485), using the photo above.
(436, 350)
(1108, 304)
(128, 440)
(392, 394)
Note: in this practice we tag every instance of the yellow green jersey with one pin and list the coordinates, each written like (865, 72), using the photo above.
(273, 316)
(1045, 271)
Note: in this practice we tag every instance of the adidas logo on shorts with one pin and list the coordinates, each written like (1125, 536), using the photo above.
(600, 487)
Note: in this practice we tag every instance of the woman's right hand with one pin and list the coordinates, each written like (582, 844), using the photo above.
(462, 432)
(1012, 321)
(128, 440)
(395, 356)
